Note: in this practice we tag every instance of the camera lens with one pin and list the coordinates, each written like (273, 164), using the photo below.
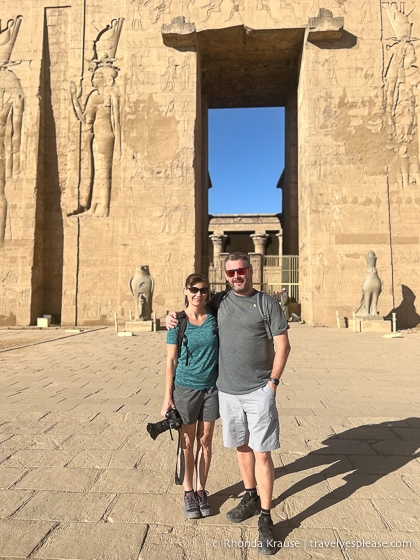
(157, 428)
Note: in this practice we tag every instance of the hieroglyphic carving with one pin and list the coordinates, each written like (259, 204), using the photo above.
(11, 113)
(101, 127)
(402, 90)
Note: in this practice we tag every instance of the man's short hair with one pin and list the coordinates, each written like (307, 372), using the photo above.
(238, 256)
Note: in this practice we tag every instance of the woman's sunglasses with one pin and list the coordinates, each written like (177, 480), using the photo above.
(195, 290)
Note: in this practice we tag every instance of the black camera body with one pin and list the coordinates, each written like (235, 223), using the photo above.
(172, 422)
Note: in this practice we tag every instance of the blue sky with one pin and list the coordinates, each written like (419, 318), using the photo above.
(246, 159)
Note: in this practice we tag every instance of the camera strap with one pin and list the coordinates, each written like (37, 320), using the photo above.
(180, 462)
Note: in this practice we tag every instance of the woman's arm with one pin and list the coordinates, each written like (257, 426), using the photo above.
(171, 363)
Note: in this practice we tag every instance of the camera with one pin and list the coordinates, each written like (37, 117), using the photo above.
(172, 422)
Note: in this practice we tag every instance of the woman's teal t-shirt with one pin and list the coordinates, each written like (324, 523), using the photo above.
(201, 345)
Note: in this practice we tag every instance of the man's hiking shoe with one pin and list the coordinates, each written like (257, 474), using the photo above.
(191, 509)
(203, 503)
(247, 507)
(266, 542)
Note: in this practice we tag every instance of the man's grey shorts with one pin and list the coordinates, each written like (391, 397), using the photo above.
(250, 419)
(196, 404)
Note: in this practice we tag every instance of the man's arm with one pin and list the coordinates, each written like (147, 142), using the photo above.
(170, 320)
(282, 347)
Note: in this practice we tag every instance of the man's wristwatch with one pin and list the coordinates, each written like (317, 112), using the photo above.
(274, 381)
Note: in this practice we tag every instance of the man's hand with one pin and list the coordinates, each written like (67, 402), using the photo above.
(171, 321)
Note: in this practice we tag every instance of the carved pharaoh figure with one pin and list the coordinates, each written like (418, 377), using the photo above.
(141, 286)
(371, 289)
(11, 112)
(101, 126)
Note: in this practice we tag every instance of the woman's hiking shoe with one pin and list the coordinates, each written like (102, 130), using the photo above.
(266, 542)
(247, 507)
(203, 503)
(191, 508)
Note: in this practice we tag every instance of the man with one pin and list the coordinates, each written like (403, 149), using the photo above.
(250, 367)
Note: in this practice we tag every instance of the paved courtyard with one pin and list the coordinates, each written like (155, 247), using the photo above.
(80, 478)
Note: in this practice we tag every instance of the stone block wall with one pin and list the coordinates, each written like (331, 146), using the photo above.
(103, 147)
(359, 159)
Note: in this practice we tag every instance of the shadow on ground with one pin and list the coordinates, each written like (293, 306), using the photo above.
(363, 455)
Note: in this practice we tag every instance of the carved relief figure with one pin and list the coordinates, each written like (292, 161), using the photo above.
(211, 7)
(106, 43)
(162, 7)
(402, 81)
(136, 21)
(141, 286)
(264, 5)
(135, 77)
(371, 289)
(238, 6)
(365, 12)
(185, 74)
(101, 127)
(11, 112)
(170, 74)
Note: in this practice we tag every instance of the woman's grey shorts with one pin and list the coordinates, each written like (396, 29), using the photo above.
(196, 404)
(250, 419)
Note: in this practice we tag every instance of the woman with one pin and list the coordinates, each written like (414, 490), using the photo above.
(191, 389)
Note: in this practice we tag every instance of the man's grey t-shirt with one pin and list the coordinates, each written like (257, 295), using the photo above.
(246, 353)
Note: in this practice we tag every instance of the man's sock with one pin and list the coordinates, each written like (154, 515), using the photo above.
(265, 512)
(252, 492)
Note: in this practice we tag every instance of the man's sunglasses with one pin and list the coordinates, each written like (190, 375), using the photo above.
(195, 290)
(240, 272)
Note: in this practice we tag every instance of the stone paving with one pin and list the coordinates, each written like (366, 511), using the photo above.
(80, 478)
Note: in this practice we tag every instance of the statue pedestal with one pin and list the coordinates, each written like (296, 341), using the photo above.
(366, 324)
(142, 326)
(376, 325)
(355, 325)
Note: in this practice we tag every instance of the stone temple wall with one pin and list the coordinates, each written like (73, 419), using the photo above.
(359, 175)
(103, 146)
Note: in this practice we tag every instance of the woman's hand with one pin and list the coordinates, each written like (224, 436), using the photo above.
(168, 403)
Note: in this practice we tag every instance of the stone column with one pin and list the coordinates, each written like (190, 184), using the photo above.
(280, 236)
(260, 241)
(257, 262)
(218, 246)
(217, 268)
